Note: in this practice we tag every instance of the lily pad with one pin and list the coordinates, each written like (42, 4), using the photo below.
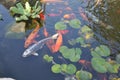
(76, 55)
(60, 26)
(99, 65)
(56, 68)
(112, 68)
(102, 50)
(75, 23)
(83, 75)
(47, 58)
(85, 29)
(71, 69)
(64, 68)
(73, 54)
(118, 58)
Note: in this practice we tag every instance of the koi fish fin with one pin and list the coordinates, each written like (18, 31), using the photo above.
(35, 54)
(55, 36)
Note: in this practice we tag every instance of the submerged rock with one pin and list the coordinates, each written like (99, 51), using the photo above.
(16, 31)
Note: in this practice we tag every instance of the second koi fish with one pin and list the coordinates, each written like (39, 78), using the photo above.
(32, 36)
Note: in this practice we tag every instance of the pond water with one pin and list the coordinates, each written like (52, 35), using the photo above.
(13, 65)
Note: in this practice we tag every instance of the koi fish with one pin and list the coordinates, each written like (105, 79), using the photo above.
(42, 16)
(82, 14)
(63, 31)
(32, 36)
(53, 14)
(35, 47)
(58, 43)
(51, 44)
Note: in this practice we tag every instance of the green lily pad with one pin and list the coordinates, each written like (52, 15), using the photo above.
(118, 58)
(83, 75)
(102, 50)
(99, 65)
(56, 68)
(60, 26)
(73, 54)
(80, 40)
(47, 58)
(64, 68)
(76, 55)
(85, 29)
(112, 68)
(75, 23)
(71, 69)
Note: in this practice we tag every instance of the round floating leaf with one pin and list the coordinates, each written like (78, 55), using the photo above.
(71, 69)
(47, 58)
(103, 50)
(75, 23)
(65, 52)
(80, 40)
(99, 65)
(112, 68)
(76, 55)
(94, 54)
(85, 29)
(64, 67)
(56, 68)
(83, 75)
(63, 49)
(118, 58)
(60, 26)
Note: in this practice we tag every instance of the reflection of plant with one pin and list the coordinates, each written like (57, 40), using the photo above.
(99, 55)
(24, 13)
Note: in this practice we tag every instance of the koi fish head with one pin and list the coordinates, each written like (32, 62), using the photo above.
(55, 36)
(26, 53)
(27, 43)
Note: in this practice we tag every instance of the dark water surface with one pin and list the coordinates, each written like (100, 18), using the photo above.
(12, 64)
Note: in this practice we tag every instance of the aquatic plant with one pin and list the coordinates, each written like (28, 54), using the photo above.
(25, 12)
(99, 54)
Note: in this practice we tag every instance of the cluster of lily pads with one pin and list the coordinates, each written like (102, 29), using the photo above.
(26, 12)
(99, 60)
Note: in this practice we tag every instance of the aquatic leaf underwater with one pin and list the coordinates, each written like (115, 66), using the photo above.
(32, 36)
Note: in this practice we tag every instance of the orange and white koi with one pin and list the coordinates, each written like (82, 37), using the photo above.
(32, 36)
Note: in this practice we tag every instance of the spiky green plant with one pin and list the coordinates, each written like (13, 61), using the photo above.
(25, 12)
